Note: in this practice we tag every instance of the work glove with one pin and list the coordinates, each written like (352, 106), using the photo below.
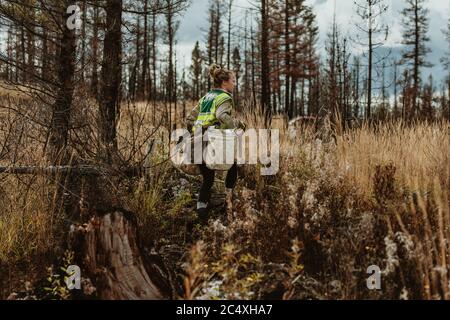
(242, 125)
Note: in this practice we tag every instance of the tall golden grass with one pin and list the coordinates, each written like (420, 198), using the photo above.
(394, 172)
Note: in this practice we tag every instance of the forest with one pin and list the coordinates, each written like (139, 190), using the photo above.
(91, 90)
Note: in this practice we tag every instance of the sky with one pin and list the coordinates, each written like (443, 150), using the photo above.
(194, 22)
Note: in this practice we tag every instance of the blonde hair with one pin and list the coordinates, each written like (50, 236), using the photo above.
(219, 75)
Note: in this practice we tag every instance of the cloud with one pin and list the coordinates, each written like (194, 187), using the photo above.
(195, 21)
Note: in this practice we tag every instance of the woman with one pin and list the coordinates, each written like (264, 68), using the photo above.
(215, 109)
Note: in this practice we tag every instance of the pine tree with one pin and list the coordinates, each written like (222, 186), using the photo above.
(237, 70)
(196, 70)
(427, 110)
(215, 42)
(331, 69)
(312, 60)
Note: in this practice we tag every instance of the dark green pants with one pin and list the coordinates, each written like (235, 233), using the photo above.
(208, 181)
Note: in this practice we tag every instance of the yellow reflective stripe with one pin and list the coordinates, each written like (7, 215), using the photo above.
(221, 99)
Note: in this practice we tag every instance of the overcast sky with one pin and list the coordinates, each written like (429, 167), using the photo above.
(194, 23)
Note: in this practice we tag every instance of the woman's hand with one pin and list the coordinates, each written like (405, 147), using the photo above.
(242, 125)
(240, 130)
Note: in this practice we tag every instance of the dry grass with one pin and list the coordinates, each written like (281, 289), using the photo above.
(26, 227)
(419, 152)
(341, 201)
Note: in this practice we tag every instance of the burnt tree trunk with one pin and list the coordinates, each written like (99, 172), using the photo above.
(265, 63)
(370, 66)
(111, 256)
(94, 45)
(108, 250)
(111, 79)
(287, 105)
(59, 129)
(58, 134)
(143, 83)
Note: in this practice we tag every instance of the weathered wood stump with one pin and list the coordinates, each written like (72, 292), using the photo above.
(113, 260)
(108, 248)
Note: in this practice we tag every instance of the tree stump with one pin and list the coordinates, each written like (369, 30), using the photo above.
(112, 259)
(109, 250)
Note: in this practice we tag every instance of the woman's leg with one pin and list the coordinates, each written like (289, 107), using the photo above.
(231, 178)
(208, 181)
(230, 183)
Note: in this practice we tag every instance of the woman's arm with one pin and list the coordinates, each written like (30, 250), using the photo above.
(225, 115)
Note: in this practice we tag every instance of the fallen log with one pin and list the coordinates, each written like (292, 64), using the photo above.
(80, 170)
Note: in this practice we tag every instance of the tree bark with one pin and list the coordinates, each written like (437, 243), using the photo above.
(416, 60)
(369, 78)
(154, 88)
(112, 259)
(287, 97)
(111, 78)
(95, 41)
(145, 60)
(59, 129)
(265, 65)
(230, 8)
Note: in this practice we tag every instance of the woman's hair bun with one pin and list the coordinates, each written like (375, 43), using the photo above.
(219, 75)
(214, 69)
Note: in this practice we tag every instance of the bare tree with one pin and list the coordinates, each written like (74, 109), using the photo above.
(95, 51)
(154, 61)
(111, 79)
(230, 11)
(375, 33)
(415, 38)
(144, 81)
(265, 63)
(171, 27)
(62, 106)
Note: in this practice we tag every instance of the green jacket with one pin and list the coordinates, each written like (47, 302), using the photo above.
(214, 109)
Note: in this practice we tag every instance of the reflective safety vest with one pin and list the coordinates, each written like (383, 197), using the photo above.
(208, 106)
